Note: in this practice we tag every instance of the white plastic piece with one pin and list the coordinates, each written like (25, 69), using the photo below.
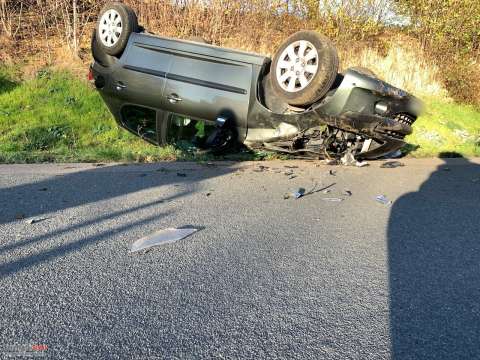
(166, 236)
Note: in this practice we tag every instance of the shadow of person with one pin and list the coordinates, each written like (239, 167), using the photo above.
(434, 266)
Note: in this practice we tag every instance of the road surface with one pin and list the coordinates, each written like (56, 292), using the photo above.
(265, 277)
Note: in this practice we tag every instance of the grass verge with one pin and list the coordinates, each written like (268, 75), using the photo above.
(59, 118)
(446, 127)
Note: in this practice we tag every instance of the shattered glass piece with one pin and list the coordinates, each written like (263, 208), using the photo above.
(392, 164)
(162, 237)
(326, 191)
(333, 199)
(299, 193)
(382, 199)
(292, 177)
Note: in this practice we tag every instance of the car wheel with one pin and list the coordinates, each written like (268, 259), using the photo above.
(115, 24)
(304, 68)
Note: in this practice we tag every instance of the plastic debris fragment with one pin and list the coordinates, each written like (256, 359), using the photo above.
(162, 237)
(333, 199)
(299, 193)
(35, 220)
(347, 192)
(382, 199)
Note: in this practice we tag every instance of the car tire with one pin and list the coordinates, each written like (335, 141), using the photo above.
(115, 24)
(304, 68)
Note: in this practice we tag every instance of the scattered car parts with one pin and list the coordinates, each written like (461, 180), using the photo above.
(177, 91)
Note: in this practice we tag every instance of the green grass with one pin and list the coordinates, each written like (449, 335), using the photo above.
(446, 127)
(59, 118)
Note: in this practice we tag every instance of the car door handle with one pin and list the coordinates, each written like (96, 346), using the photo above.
(174, 98)
(119, 86)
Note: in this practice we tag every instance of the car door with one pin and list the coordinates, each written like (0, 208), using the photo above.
(202, 85)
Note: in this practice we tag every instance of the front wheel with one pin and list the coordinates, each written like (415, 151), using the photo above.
(304, 68)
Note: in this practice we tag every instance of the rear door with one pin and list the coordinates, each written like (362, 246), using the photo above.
(205, 82)
(205, 87)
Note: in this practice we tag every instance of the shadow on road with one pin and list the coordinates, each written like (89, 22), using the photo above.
(434, 266)
(79, 188)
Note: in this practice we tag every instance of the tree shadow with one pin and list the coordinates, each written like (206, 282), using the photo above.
(78, 188)
(434, 266)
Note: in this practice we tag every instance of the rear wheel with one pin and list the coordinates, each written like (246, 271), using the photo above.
(304, 68)
(116, 22)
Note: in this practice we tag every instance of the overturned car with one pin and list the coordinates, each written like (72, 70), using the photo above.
(168, 90)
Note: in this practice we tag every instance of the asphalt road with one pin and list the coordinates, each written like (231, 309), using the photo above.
(266, 277)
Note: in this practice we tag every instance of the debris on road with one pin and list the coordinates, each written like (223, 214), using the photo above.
(333, 172)
(181, 174)
(347, 192)
(392, 164)
(19, 216)
(333, 199)
(35, 220)
(43, 189)
(299, 193)
(161, 237)
(382, 199)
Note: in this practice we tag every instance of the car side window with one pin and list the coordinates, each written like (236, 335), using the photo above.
(184, 131)
(141, 121)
